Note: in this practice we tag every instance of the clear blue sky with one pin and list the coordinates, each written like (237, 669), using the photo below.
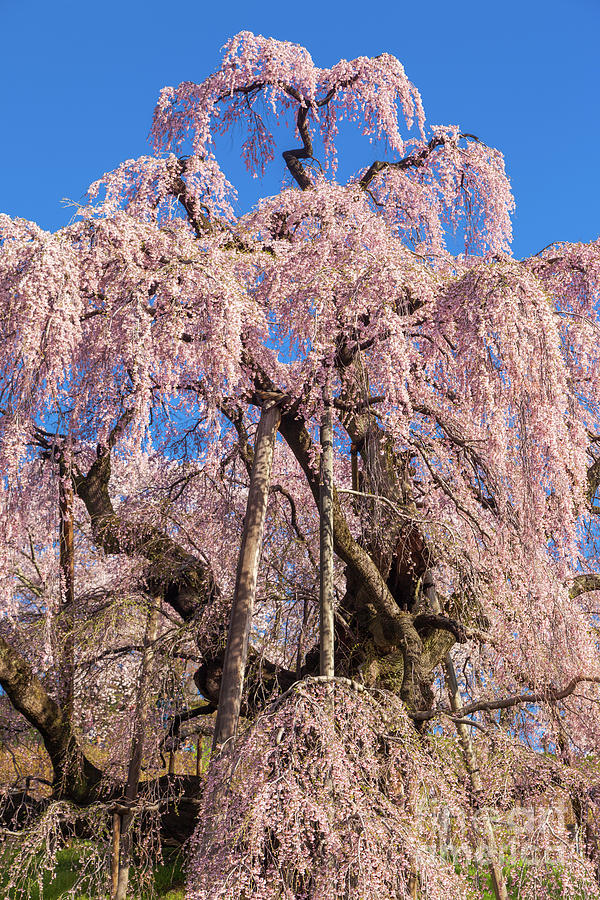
(80, 81)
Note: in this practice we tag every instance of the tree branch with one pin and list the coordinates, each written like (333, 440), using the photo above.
(427, 621)
(29, 697)
(292, 157)
(185, 580)
(412, 160)
(581, 584)
(550, 695)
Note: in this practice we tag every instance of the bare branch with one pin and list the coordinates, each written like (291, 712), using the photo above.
(411, 161)
(549, 695)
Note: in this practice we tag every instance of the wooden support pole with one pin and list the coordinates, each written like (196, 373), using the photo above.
(199, 749)
(65, 637)
(326, 619)
(137, 749)
(236, 653)
(354, 464)
(115, 854)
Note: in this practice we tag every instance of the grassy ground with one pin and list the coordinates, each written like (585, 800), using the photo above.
(168, 880)
(30, 759)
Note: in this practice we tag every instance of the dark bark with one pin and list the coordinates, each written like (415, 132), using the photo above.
(413, 160)
(581, 584)
(356, 558)
(185, 581)
(74, 776)
(547, 695)
(65, 624)
(292, 157)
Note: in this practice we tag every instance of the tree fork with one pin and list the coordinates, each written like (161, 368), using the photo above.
(236, 653)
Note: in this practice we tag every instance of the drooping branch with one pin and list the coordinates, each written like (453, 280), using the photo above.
(279, 489)
(383, 469)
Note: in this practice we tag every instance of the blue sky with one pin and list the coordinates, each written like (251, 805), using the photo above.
(80, 81)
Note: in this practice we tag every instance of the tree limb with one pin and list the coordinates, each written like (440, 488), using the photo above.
(28, 695)
(581, 584)
(412, 160)
(550, 695)
(186, 580)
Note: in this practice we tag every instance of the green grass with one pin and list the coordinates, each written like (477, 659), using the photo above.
(168, 879)
(480, 878)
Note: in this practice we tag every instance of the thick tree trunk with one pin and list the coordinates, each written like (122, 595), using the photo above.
(185, 581)
(326, 621)
(232, 682)
(123, 846)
